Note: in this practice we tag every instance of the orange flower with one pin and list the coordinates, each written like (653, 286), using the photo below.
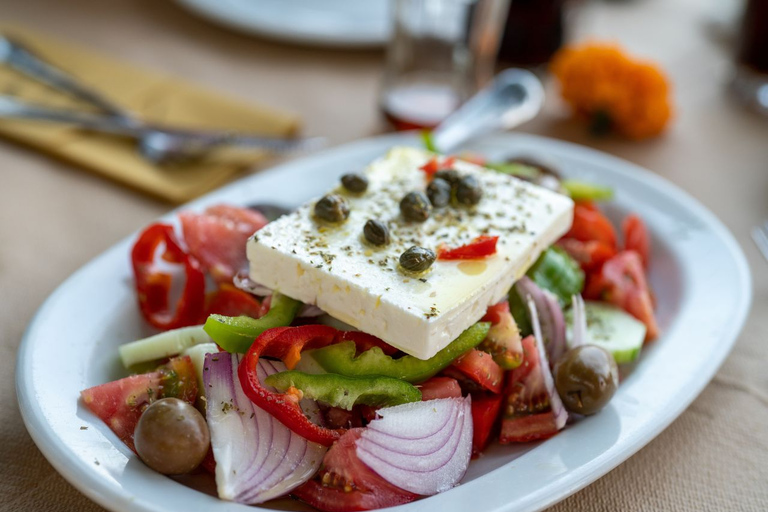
(612, 90)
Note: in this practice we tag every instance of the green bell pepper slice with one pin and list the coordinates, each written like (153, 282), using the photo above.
(346, 392)
(235, 334)
(557, 272)
(583, 191)
(340, 358)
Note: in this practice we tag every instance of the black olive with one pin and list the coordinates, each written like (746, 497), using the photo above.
(586, 377)
(356, 183)
(439, 192)
(415, 206)
(452, 176)
(376, 232)
(332, 208)
(417, 259)
(468, 191)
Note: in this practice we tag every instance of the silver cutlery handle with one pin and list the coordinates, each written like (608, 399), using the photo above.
(514, 96)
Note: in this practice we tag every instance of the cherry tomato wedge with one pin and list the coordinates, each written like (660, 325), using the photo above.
(153, 283)
(637, 238)
(345, 483)
(479, 367)
(622, 282)
(481, 247)
(439, 387)
(589, 255)
(485, 412)
(590, 224)
(230, 301)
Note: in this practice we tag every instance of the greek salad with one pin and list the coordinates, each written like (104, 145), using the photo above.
(359, 352)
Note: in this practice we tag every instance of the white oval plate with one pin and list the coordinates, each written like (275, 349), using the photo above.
(328, 23)
(72, 344)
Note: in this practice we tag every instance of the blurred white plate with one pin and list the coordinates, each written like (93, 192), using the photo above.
(698, 272)
(341, 23)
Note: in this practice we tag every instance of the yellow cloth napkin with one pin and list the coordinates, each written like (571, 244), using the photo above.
(150, 95)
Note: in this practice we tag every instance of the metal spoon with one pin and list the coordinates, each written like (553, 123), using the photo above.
(514, 97)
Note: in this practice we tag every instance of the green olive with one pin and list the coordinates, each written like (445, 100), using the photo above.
(468, 191)
(332, 208)
(439, 192)
(415, 206)
(356, 183)
(452, 176)
(586, 377)
(376, 232)
(172, 437)
(417, 259)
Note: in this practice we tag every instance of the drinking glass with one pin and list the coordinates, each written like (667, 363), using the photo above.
(441, 52)
(751, 80)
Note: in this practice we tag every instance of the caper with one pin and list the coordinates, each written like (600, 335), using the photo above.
(468, 191)
(171, 437)
(586, 378)
(439, 192)
(452, 176)
(376, 232)
(417, 259)
(356, 183)
(415, 206)
(332, 208)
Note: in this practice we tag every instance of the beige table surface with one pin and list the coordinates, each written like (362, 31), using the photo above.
(54, 218)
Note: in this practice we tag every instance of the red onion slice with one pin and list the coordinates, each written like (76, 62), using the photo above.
(551, 317)
(243, 281)
(257, 457)
(579, 322)
(422, 447)
(561, 415)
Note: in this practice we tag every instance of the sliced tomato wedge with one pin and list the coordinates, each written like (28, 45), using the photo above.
(589, 224)
(527, 414)
(485, 412)
(439, 387)
(481, 247)
(637, 238)
(345, 483)
(589, 255)
(503, 341)
(622, 282)
(217, 237)
(480, 368)
(120, 403)
(231, 301)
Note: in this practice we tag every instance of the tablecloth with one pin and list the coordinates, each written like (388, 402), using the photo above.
(54, 218)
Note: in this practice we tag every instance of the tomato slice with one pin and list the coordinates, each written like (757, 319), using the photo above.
(345, 483)
(485, 411)
(481, 247)
(480, 368)
(637, 238)
(589, 255)
(120, 403)
(590, 224)
(217, 237)
(230, 301)
(622, 282)
(439, 387)
(527, 415)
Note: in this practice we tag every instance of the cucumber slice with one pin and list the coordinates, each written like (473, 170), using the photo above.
(613, 329)
(197, 354)
(159, 346)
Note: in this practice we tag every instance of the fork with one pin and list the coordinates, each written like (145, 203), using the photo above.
(760, 236)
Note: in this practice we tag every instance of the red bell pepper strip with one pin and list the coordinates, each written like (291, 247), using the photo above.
(153, 285)
(481, 247)
(434, 165)
(286, 344)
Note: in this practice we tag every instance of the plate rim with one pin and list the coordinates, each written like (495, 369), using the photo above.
(87, 481)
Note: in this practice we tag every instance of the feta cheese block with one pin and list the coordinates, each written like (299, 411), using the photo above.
(333, 266)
